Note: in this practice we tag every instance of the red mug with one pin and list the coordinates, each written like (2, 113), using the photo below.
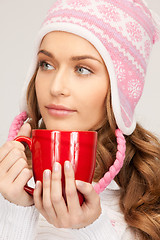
(49, 146)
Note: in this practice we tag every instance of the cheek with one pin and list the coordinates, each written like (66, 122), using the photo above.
(95, 98)
(92, 109)
(97, 103)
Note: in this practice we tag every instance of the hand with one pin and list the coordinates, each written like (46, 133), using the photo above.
(51, 203)
(14, 172)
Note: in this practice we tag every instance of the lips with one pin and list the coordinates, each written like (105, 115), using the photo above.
(59, 110)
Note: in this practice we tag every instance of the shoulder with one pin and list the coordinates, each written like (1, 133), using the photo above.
(110, 199)
(130, 234)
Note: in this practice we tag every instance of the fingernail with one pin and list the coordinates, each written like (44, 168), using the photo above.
(67, 165)
(47, 174)
(37, 184)
(56, 167)
(79, 183)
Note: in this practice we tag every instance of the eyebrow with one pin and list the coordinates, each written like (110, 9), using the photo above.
(76, 58)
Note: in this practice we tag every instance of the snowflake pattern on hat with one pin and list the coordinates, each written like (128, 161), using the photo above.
(134, 31)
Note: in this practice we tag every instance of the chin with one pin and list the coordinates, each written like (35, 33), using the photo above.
(66, 126)
(59, 128)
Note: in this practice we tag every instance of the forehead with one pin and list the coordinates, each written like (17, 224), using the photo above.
(58, 40)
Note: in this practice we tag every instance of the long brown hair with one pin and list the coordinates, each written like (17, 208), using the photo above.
(139, 178)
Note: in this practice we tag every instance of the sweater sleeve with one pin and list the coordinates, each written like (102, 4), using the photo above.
(17, 222)
(102, 229)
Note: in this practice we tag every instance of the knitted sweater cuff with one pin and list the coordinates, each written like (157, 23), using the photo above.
(17, 222)
(100, 229)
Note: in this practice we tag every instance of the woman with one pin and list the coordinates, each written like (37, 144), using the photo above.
(87, 74)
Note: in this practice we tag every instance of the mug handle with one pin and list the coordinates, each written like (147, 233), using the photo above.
(28, 141)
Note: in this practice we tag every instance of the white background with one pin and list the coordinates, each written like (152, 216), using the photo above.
(19, 22)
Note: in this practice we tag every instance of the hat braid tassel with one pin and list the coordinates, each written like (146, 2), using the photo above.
(16, 125)
(117, 165)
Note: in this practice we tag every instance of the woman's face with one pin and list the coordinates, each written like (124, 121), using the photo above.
(71, 83)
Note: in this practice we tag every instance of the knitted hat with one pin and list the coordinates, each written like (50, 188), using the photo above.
(123, 32)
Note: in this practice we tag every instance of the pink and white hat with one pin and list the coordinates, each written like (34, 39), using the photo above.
(123, 32)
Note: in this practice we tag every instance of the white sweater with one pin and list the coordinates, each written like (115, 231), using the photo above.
(25, 223)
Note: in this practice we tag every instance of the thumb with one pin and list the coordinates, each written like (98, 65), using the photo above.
(25, 130)
(88, 192)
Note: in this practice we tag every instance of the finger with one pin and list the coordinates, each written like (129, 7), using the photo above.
(47, 204)
(70, 189)
(23, 177)
(25, 130)
(37, 196)
(56, 192)
(8, 147)
(13, 156)
(88, 192)
(16, 169)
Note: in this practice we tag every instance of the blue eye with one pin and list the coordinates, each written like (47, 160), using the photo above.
(83, 71)
(45, 66)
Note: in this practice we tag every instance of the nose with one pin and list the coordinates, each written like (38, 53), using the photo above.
(60, 83)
